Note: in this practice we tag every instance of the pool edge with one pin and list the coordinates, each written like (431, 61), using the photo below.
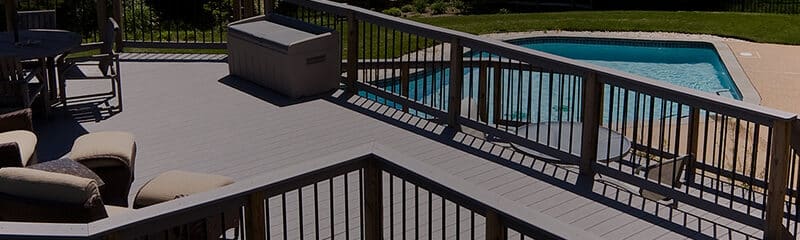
(737, 73)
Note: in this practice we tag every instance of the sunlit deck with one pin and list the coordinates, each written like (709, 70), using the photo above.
(192, 116)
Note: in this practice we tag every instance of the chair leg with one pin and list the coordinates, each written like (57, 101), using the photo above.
(45, 95)
(62, 90)
(118, 78)
(119, 92)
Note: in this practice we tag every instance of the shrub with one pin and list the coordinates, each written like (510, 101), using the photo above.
(439, 7)
(408, 8)
(139, 16)
(459, 6)
(221, 10)
(421, 5)
(393, 11)
(77, 16)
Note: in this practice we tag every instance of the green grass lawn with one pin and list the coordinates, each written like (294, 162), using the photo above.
(758, 27)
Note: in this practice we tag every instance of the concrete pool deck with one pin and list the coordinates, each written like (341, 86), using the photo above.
(772, 69)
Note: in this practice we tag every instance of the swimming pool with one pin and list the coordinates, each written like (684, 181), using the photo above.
(535, 96)
(694, 65)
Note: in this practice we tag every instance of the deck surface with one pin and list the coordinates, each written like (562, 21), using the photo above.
(192, 116)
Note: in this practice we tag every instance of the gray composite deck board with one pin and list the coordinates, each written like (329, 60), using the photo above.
(189, 116)
(166, 57)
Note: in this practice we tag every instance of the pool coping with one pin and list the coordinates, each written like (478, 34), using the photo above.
(737, 73)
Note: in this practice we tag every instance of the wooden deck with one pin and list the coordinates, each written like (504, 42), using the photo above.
(191, 116)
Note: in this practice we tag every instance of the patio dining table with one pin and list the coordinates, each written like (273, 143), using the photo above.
(567, 137)
(40, 44)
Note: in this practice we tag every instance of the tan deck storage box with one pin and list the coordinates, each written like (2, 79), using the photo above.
(288, 56)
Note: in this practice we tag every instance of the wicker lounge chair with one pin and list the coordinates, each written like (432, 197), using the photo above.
(17, 140)
(112, 156)
(32, 195)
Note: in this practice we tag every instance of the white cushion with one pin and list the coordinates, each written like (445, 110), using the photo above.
(26, 140)
(48, 186)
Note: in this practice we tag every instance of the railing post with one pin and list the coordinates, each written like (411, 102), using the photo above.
(456, 81)
(482, 89)
(102, 16)
(405, 73)
(694, 141)
(352, 52)
(777, 180)
(11, 14)
(268, 5)
(117, 13)
(236, 6)
(255, 219)
(497, 94)
(494, 227)
(373, 201)
(592, 114)
(248, 8)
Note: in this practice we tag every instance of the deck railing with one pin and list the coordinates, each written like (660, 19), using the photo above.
(368, 192)
(738, 154)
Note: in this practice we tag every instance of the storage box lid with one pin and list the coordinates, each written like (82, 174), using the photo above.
(277, 34)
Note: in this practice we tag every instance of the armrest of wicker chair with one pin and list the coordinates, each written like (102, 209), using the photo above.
(9, 155)
(17, 120)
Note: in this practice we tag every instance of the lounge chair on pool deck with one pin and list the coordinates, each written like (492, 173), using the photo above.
(469, 109)
(667, 172)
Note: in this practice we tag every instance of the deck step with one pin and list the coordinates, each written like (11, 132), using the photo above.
(172, 57)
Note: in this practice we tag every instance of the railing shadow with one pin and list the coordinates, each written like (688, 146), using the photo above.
(702, 225)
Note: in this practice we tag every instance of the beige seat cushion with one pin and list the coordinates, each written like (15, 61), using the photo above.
(99, 145)
(115, 210)
(175, 184)
(47, 186)
(26, 140)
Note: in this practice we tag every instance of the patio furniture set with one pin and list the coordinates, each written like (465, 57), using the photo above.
(37, 60)
(91, 182)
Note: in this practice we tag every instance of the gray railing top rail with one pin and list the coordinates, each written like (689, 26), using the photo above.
(692, 97)
(298, 174)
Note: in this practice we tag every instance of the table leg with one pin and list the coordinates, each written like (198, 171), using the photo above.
(45, 94)
(52, 80)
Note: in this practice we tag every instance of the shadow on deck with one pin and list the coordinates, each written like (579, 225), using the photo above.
(685, 220)
(58, 133)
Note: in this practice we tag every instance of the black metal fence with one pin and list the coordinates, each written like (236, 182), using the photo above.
(761, 6)
(73, 15)
(735, 153)
(202, 23)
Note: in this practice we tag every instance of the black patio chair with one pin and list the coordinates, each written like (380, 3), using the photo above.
(667, 172)
(17, 91)
(39, 19)
(107, 62)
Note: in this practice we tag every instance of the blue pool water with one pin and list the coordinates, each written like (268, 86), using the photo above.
(696, 66)
(533, 96)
